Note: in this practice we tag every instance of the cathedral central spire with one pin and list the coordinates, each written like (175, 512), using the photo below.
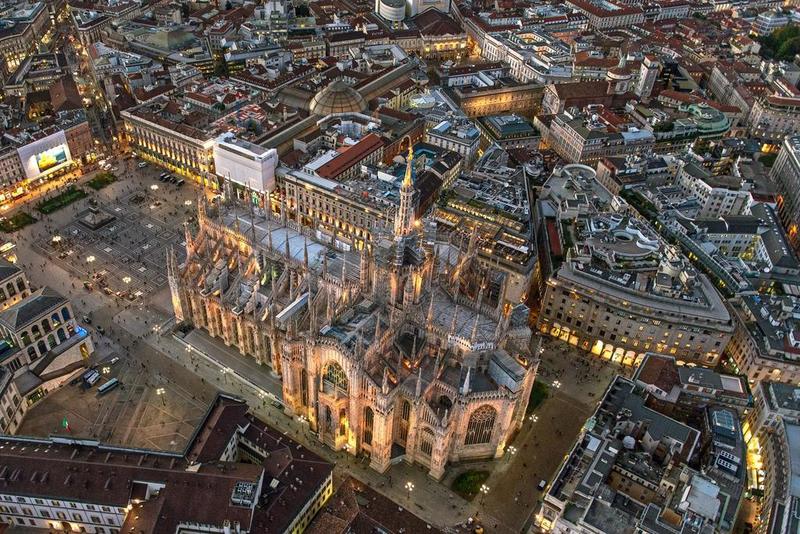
(404, 219)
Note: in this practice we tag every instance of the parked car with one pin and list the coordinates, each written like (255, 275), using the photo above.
(87, 319)
(100, 329)
(142, 165)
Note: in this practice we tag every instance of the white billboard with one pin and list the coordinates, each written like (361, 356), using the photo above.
(45, 155)
(245, 163)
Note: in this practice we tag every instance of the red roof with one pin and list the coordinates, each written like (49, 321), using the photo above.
(366, 146)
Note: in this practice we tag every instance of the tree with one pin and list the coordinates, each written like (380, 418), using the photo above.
(783, 43)
(221, 68)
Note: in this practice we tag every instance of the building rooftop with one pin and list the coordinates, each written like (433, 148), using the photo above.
(165, 489)
(338, 97)
(26, 311)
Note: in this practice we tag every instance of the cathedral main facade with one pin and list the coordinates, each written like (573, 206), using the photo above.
(403, 350)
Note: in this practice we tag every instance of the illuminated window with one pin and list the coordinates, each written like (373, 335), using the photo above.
(481, 424)
(368, 419)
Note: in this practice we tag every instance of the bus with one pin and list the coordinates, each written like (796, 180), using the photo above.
(92, 379)
(108, 386)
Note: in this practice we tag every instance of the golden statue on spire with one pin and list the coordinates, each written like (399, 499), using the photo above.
(407, 179)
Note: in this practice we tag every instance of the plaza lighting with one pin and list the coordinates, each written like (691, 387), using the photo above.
(106, 370)
(126, 279)
(90, 259)
(160, 392)
(410, 488)
(188, 202)
(154, 187)
(484, 491)
(56, 239)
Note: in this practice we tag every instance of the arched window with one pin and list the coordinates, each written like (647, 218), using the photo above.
(20, 285)
(405, 416)
(328, 418)
(304, 387)
(368, 417)
(46, 325)
(25, 338)
(32, 353)
(55, 319)
(335, 377)
(61, 335)
(481, 424)
(2, 294)
(426, 439)
(36, 332)
(10, 289)
(342, 421)
(42, 347)
(51, 341)
(65, 314)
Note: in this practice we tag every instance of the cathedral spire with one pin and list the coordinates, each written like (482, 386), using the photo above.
(305, 254)
(473, 240)
(363, 271)
(477, 316)
(312, 315)
(465, 387)
(430, 310)
(419, 383)
(188, 238)
(404, 218)
(385, 384)
(455, 319)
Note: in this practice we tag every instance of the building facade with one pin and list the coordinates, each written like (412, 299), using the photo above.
(180, 148)
(786, 176)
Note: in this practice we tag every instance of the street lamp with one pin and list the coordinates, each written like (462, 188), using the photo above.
(106, 370)
(160, 392)
(126, 279)
(90, 259)
(224, 372)
(484, 491)
(154, 187)
(56, 239)
(512, 450)
(410, 488)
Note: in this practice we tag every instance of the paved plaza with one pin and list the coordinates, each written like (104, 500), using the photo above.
(127, 253)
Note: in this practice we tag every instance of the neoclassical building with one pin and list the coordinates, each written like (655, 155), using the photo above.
(403, 349)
